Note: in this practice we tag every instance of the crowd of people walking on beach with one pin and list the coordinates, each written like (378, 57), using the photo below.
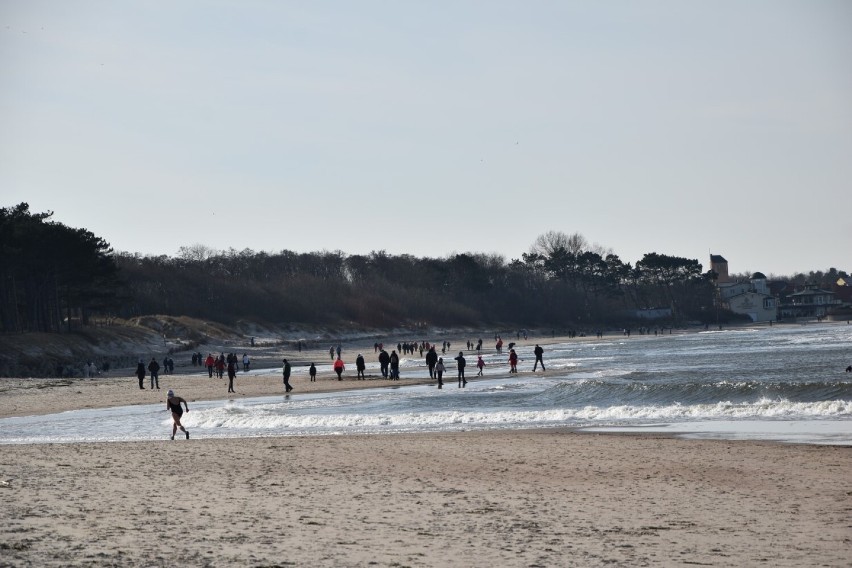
(389, 366)
(389, 363)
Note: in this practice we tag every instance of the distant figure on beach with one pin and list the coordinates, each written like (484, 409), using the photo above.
(513, 361)
(849, 369)
(246, 363)
(439, 372)
(140, 372)
(220, 366)
(480, 364)
(394, 366)
(339, 367)
(331, 352)
(539, 353)
(360, 366)
(384, 361)
(209, 362)
(312, 371)
(173, 403)
(461, 365)
(287, 385)
(232, 373)
(154, 369)
(431, 361)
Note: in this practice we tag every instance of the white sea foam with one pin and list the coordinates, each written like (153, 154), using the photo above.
(260, 420)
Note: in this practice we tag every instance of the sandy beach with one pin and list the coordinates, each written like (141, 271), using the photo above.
(508, 498)
(526, 498)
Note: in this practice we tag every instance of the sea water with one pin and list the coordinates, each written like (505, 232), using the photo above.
(784, 383)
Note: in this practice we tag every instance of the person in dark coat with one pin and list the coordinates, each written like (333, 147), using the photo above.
(154, 368)
(312, 371)
(394, 366)
(461, 365)
(539, 352)
(232, 373)
(287, 376)
(140, 372)
(384, 361)
(431, 361)
(360, 366)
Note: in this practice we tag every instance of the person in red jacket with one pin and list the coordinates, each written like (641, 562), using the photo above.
(339, 368)
(513, 361)
(209, 362)
(481, 365)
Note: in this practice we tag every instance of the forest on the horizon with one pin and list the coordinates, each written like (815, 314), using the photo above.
(53, 275)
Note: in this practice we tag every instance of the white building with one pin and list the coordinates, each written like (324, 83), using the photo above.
(751, 297)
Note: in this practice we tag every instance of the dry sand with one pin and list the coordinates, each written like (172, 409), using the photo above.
(527, 498)
(522, 498)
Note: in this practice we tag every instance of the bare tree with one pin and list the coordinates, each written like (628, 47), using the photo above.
(547, 243)
(196, 252)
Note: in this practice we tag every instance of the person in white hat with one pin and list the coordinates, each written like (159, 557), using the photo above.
(173, 403)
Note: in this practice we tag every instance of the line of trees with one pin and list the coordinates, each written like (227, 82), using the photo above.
(562, 282)
(53, 275)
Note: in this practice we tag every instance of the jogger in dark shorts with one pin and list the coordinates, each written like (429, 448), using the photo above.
(173, 403)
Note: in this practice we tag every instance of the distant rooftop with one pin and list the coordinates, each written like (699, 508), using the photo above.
(758, 276)
(717, 258)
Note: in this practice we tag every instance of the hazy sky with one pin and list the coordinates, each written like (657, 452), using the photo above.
(431, 127)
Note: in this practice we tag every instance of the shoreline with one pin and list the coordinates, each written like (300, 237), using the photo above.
(34, 397)
(119, 387)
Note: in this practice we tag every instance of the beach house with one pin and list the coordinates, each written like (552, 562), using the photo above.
(812, 302)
